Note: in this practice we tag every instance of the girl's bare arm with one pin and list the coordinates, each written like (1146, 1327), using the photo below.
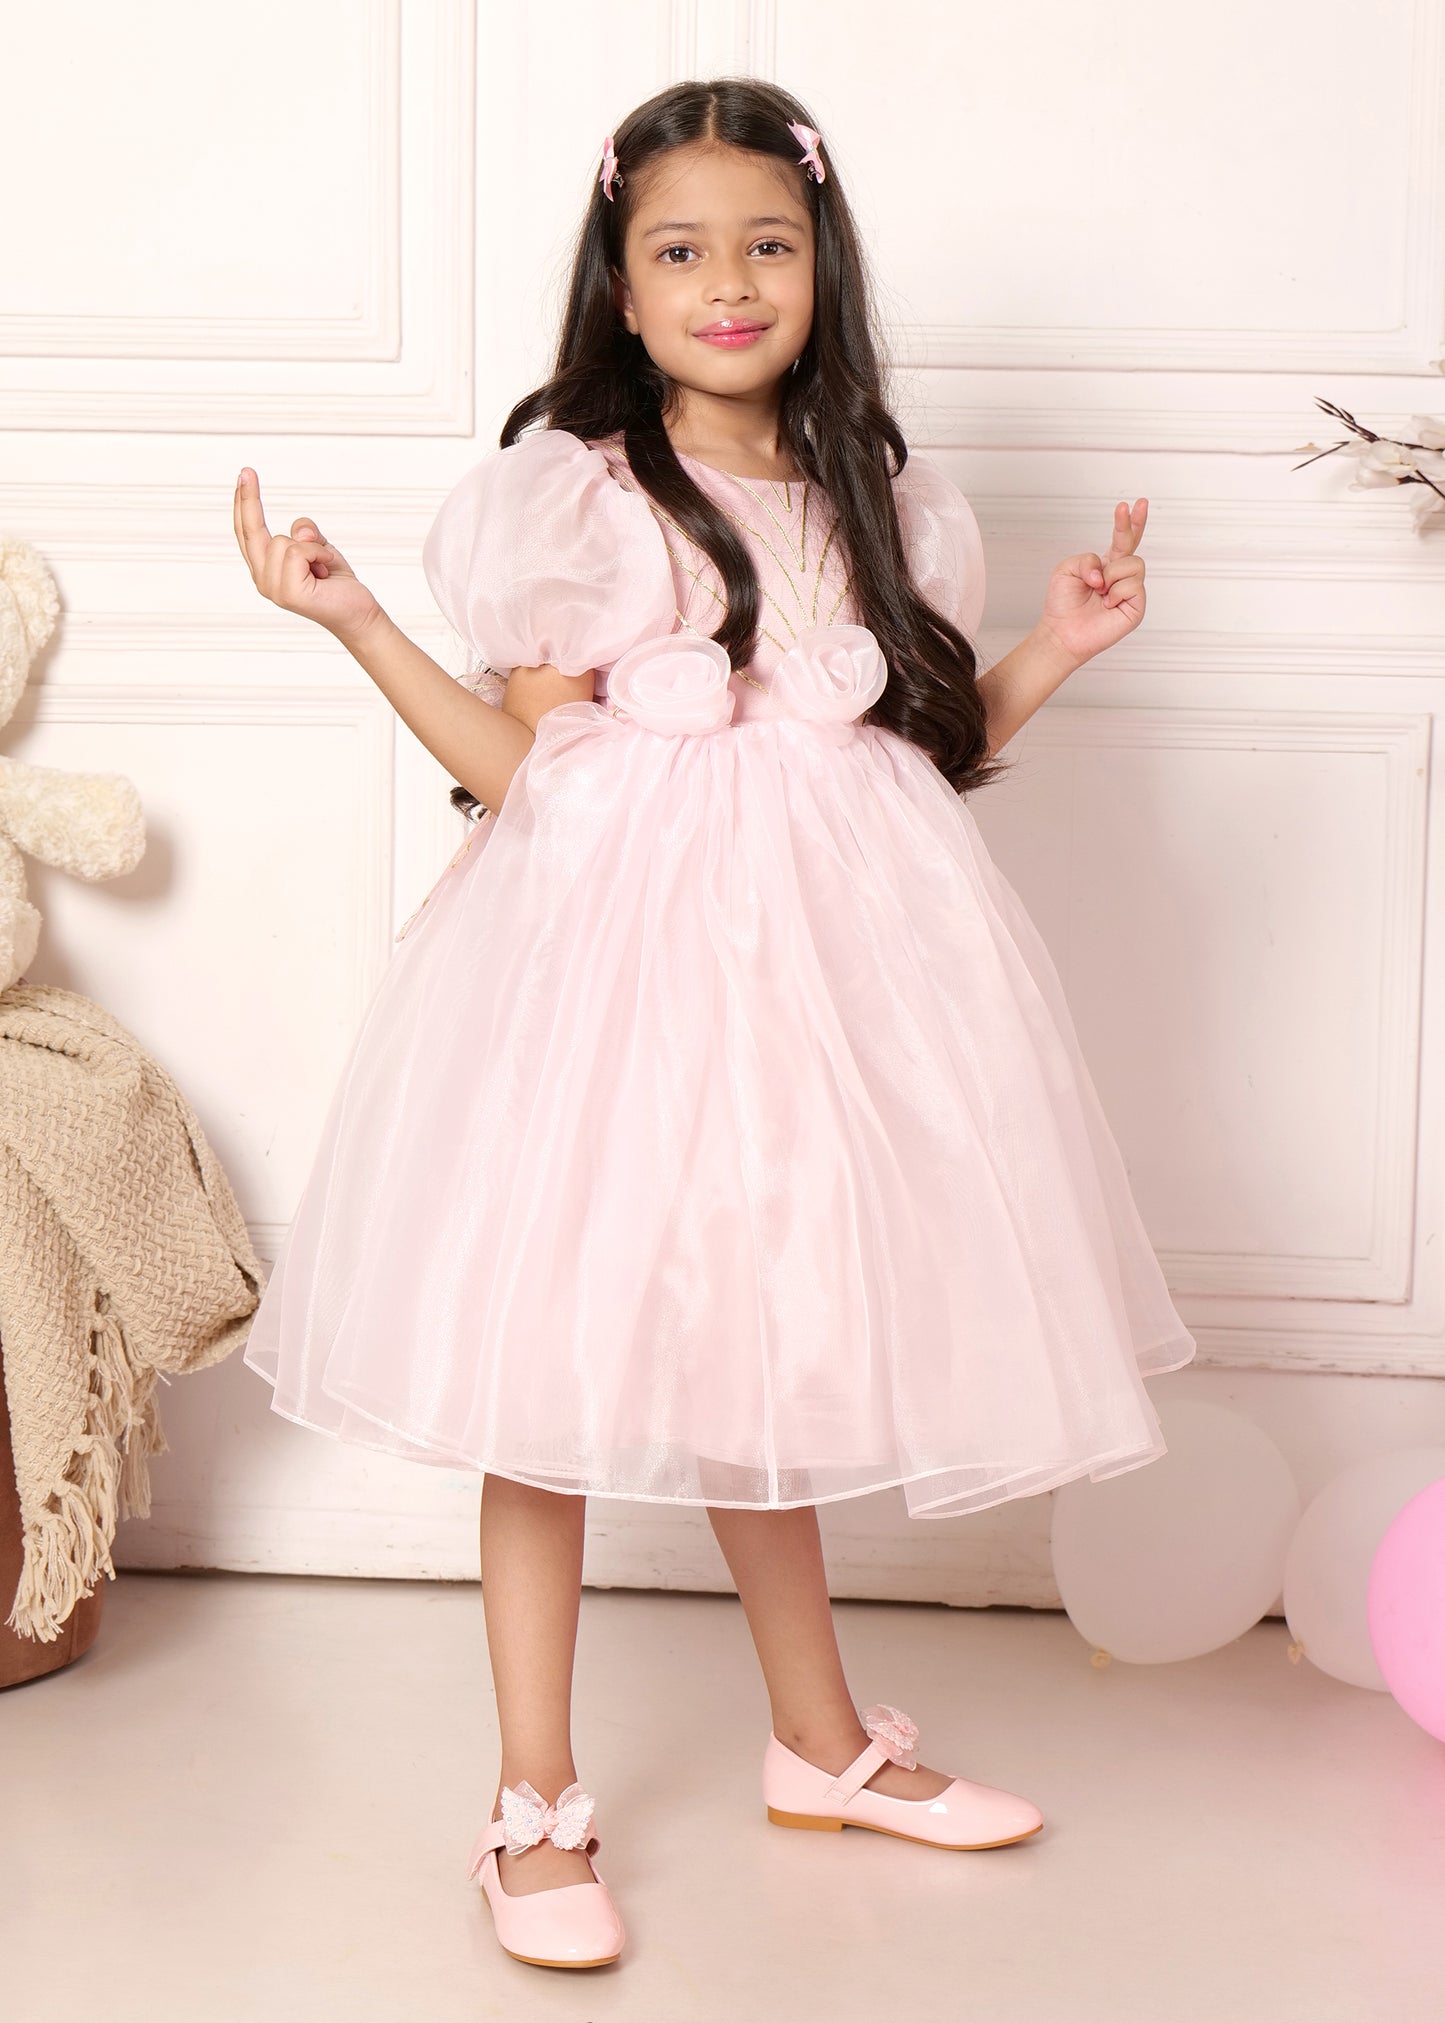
(1014, 687)
(479, 745)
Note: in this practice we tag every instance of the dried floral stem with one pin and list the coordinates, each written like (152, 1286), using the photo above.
(1412, 477)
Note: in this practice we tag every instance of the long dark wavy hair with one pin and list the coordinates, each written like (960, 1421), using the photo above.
(834, 421)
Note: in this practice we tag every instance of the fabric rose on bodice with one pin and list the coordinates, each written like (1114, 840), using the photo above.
(830, 674)
(677, 683)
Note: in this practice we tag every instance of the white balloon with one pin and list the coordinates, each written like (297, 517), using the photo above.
(1181, 1555)
(1327, 1567)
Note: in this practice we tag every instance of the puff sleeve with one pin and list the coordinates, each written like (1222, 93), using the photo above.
(538, 554)
(945, 547)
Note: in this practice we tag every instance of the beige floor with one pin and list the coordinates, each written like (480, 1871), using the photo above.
(253, 1797)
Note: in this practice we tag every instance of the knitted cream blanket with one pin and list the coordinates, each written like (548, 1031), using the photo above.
(124, 1256)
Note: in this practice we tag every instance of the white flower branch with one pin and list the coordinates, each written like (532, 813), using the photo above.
(1387, 460)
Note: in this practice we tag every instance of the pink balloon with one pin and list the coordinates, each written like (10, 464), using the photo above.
(1405, 1608)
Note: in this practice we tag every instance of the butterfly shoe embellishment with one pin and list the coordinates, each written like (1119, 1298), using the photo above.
(894, 1733)
(528, 1818)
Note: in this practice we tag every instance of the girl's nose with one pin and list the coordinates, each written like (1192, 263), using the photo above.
(734, 283)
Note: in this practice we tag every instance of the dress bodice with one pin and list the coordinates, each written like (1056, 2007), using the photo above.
(551, 551)
(788, 528)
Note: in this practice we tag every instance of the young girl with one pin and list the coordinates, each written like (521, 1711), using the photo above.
(718, 1133)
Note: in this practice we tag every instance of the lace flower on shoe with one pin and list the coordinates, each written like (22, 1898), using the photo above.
(894, 1733)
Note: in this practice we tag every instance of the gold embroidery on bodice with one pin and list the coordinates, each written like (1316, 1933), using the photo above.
(804, 579)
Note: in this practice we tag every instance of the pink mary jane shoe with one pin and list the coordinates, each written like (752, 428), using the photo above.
(574, 1926)
(798, 1793)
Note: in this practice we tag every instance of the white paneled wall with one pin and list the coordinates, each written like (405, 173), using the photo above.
(1118, 253)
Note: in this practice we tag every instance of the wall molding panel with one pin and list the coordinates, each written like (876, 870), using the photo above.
(204, 705)
(1397, 750)
(401, 364)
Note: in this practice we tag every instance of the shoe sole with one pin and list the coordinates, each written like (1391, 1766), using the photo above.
(532, 1961)
(816, 1824)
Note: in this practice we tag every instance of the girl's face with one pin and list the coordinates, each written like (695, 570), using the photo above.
(719, 235)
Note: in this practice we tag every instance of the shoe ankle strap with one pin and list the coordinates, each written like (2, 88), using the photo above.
(528, 1819)
(494, 1834)
(892, 1738)
(855, 1775)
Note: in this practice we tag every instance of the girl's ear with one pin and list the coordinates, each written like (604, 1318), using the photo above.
(622, 301)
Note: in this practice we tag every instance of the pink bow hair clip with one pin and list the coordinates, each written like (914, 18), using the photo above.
(609, 169)
(810, 140)
(527, 1817)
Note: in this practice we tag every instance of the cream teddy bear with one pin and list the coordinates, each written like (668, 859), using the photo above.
(88, 823)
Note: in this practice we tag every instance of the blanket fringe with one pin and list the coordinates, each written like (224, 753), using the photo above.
(68, 1549)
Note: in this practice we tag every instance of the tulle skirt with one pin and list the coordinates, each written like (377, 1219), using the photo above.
(718, 1133)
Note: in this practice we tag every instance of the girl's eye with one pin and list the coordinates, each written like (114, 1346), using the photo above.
(666, 250)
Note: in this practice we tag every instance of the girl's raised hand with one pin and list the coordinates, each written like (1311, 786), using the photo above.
(299, 571)
(1093, 602)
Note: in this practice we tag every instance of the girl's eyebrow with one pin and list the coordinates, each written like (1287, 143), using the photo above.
(690, 225)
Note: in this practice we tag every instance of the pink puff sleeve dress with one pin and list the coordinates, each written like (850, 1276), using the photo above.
(539, 555)
(718, 1132)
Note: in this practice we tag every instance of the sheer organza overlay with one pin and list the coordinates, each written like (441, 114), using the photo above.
(719, 1131)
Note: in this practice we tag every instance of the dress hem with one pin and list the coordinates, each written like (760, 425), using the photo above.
(1098, 1467)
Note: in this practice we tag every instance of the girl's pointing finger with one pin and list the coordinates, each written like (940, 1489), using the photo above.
(255, 533)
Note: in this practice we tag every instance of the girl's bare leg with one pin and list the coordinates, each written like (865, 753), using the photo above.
(531, 1552)
(776, 1561)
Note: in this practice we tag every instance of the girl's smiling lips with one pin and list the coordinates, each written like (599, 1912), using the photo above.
(731, 332)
